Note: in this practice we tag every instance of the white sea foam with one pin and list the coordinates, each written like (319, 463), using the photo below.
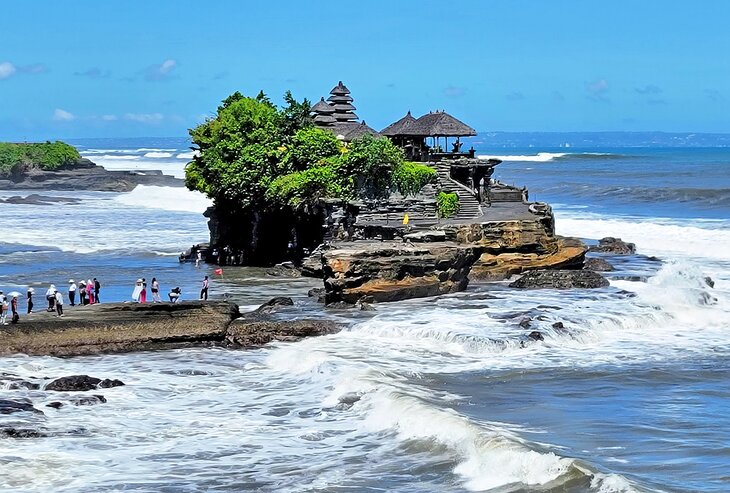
(540, 157)
(653, 236)
(488, 457)
(122, 157)
(158, 154)
(187, 155)
(165, 198)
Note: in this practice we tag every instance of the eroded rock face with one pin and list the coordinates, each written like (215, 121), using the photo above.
(556, 253)
(614, 245)
(257, 333)
(8, 406)
(560, 279)
(391, 271)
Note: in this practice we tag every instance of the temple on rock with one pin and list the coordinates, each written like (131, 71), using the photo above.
(433, 139)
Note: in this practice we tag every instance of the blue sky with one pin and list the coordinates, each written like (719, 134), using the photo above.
(156, 68)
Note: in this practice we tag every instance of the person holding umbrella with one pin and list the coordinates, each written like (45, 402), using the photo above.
(29, 295)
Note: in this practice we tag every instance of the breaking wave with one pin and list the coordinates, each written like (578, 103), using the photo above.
(544, 157)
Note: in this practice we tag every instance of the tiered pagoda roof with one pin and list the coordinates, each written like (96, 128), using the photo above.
(338, 115)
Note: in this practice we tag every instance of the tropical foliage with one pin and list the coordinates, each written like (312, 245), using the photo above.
(410, 178)
(447, 204)
(253, 155)
(46, 156)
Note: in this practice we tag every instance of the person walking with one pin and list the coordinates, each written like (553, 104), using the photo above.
(59, 303)
(175, 294)
(3, 311)
(14, 309)
(204, 290)
(97, 288)
(71, 292)
(155, 287)
(29, 295)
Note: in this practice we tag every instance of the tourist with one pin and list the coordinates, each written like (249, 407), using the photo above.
(137, 290)
(14, 309)
(97, 288)
(198, 258)
(83, 300)
(51, 298)
(143, 293)
(204, 291)
(71, 292)
(174, 294)
(90, 292)
(59, 303)
(29, 295)
(155, 291)
(3, 310)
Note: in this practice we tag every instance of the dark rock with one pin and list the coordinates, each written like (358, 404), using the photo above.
(11, 432)
(709, 282)
(284, 269)
(11, 382)
(89, 400)
(81, 383)
(107, 384)
(598, 265)
(340, 305)
(526, 323)
(55, 405)
(315, 292)
(558, 326)
(613, 245)
(275, 303)
(35, 199)
(560, 279)
(8, 406)
(653, 259)
(536, 336)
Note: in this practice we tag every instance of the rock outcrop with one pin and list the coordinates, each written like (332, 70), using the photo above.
(85, 175)
(613, 245)
(123, 327)
(391, 271)
(598, 265)
(560, 279)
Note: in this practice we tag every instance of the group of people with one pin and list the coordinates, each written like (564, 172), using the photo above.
(139, 293)
(88, 294)
(12, 306)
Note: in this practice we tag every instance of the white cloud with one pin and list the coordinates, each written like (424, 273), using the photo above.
(160, 71)
(63, 116)
(151, 118)
(109, 118)
(6, 70)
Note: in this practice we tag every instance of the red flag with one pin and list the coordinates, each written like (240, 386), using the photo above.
(219, 272)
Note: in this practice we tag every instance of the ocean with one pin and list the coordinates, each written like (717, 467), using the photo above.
(443, 394)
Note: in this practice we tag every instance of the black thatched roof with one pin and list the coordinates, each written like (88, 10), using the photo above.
(322, 107)
(353, 130)
(439, 124)
(340, 98)
(343, 107)
(340, 89)
(345, 116)
(399, 127)
(324, 120)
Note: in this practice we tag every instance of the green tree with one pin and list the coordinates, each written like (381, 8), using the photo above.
(370, 162)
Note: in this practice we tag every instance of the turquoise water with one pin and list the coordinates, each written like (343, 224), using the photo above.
(631, 395)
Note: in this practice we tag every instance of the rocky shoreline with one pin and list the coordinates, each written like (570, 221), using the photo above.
(84, 175)
(126, 327)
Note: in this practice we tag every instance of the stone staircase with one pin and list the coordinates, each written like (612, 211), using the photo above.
(469, 206)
